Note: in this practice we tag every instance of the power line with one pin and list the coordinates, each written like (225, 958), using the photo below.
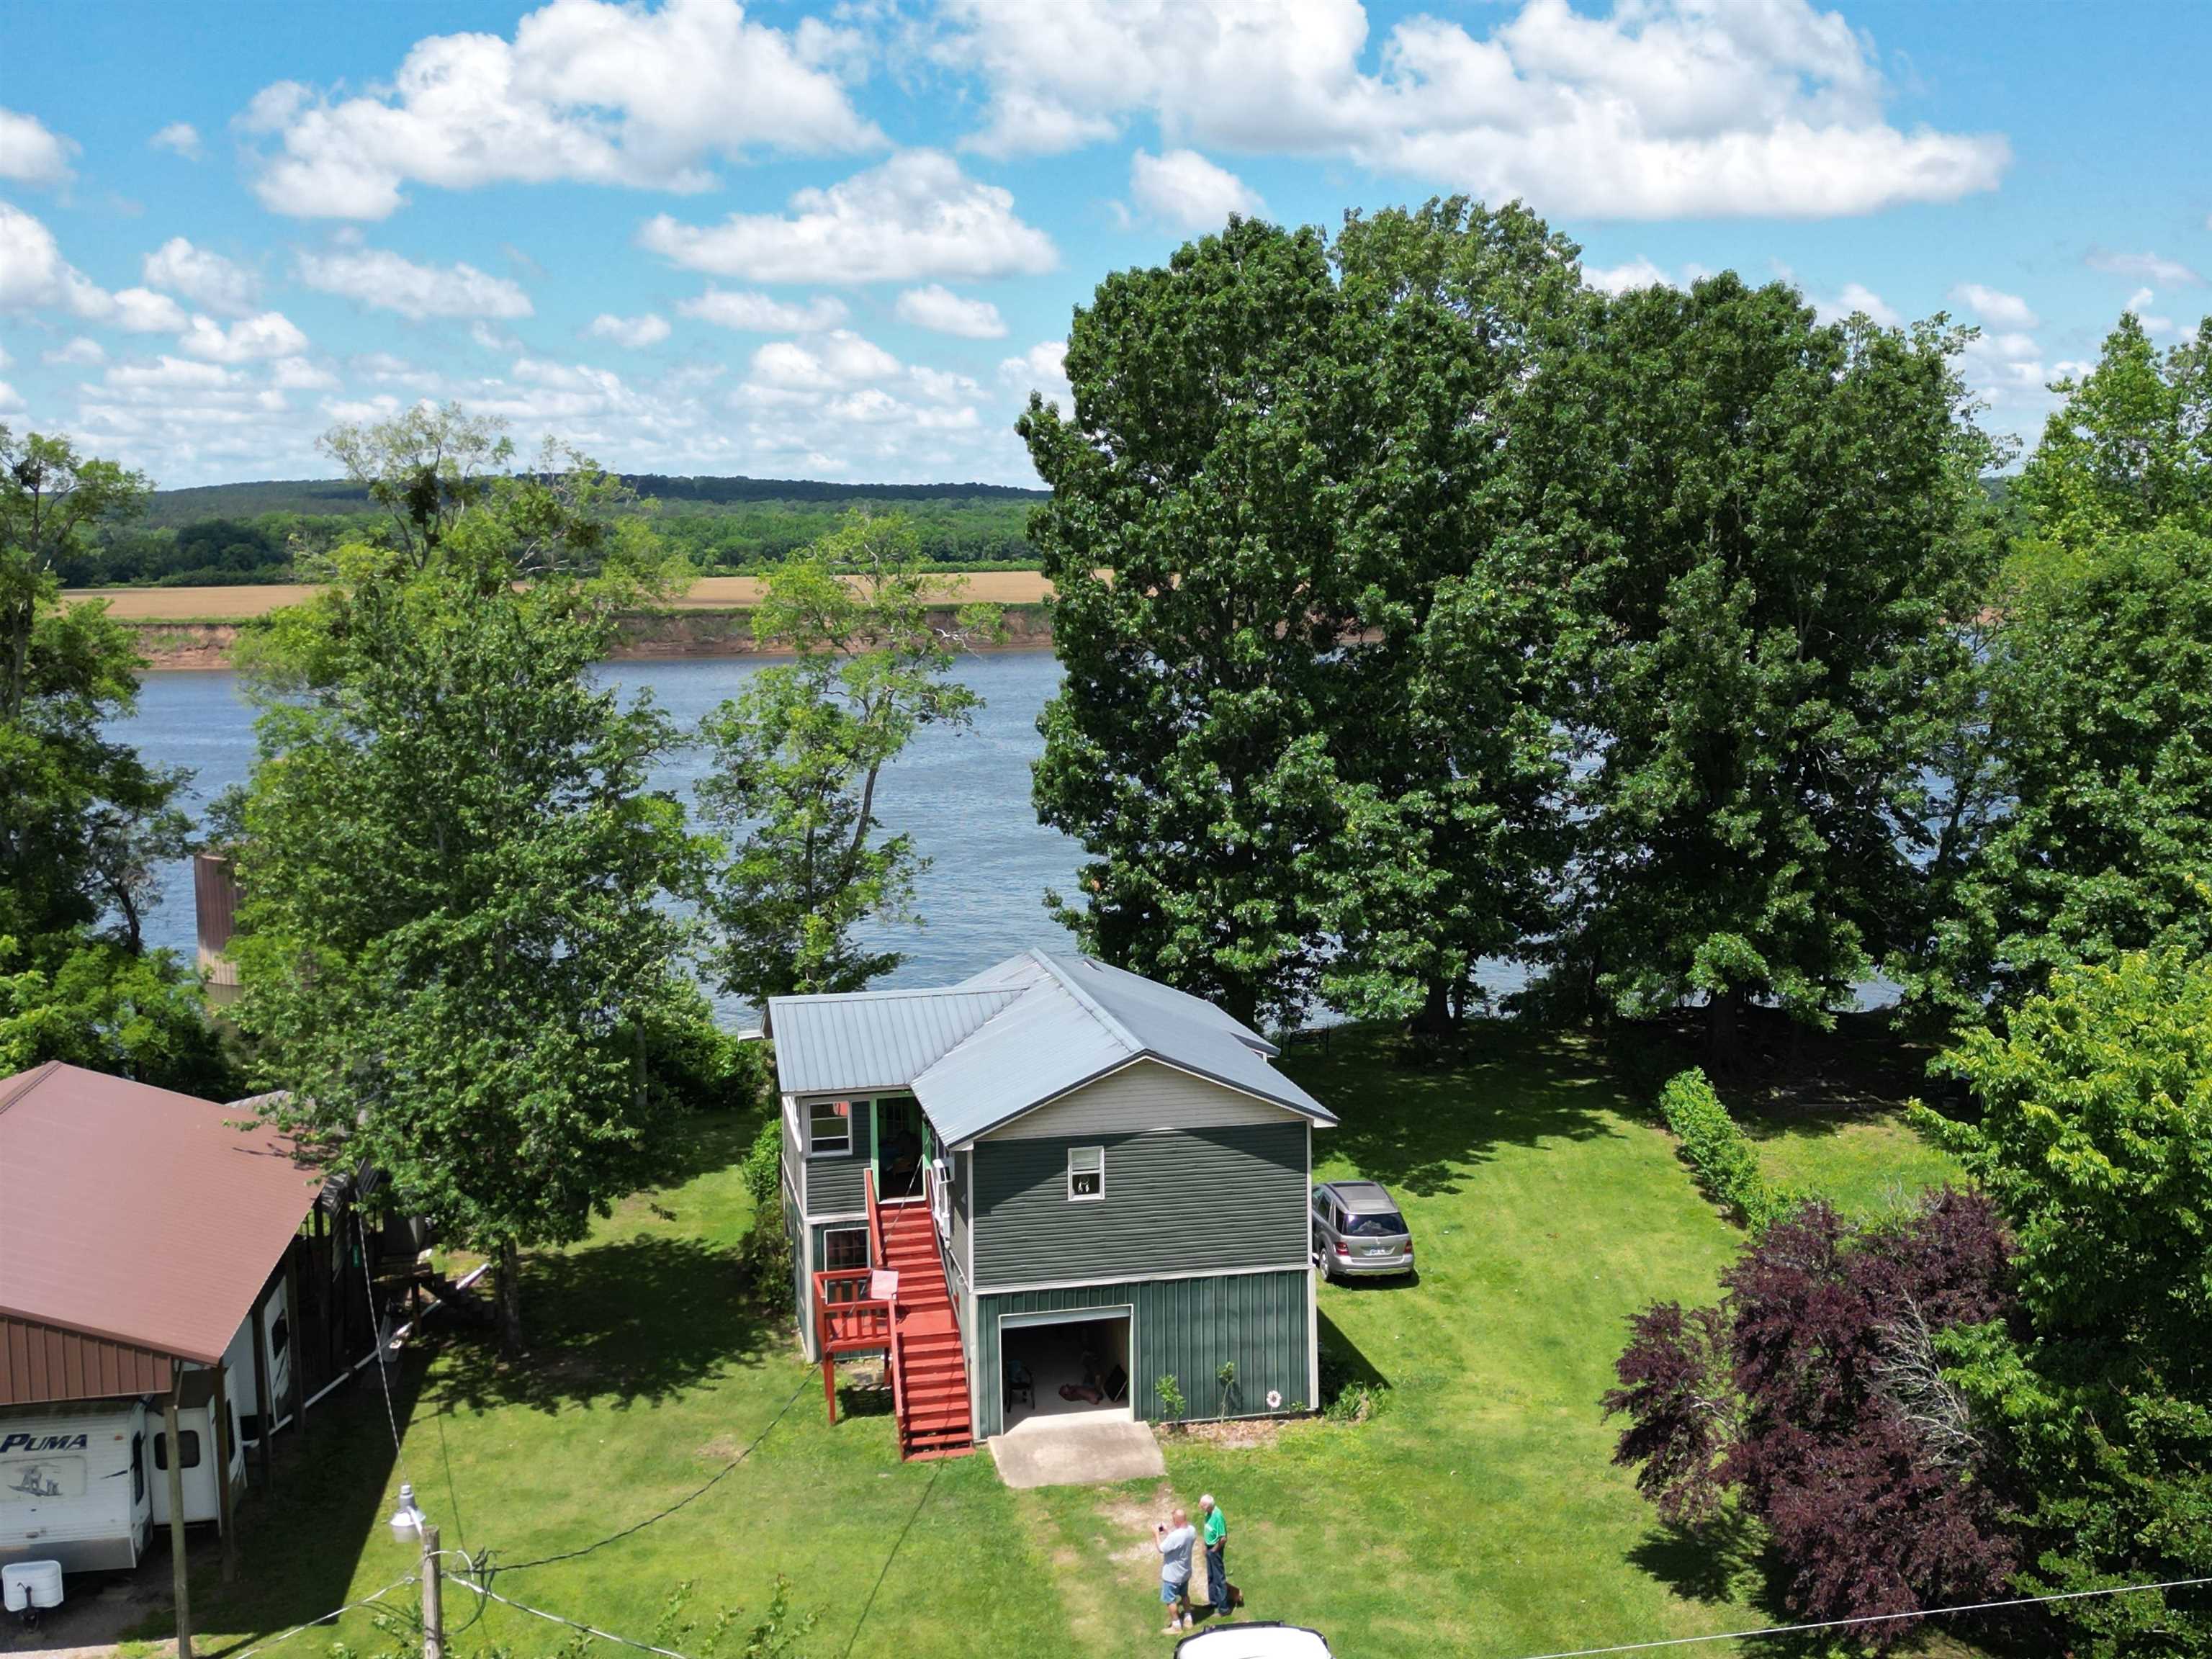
(349, 1606)
(695, 1493)
(383, 1351)
(1873, 1619)
(573, 1624)
(897, 1544)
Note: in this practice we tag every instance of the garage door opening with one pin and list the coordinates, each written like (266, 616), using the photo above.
(1062, 1368)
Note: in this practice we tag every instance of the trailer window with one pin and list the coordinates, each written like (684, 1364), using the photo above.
(28, 1480)
(137, 1468)
(280, 1336)
(188, 1438)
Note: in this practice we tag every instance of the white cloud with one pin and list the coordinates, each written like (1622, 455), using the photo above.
(34, 276)
(755, 312)
(271, 334)
(1041, 368)
(142, 311)
(80, 352)
(181, 137)
(379, 277)
(31, 152)
(10, 400)
(1995, 306)
(1858, 297)
(1661, 109)
(1639, 273)
(635, 332)
(916, 215)
(1182, 188)
(938, 308)
(207, 279)
(2149, 267)
(298, 375)
(585, 91)
(839, 358)
(168, 373)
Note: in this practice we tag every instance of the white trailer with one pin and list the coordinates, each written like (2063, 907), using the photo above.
(87, 1483)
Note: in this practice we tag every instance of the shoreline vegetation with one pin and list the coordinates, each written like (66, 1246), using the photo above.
(199, 627)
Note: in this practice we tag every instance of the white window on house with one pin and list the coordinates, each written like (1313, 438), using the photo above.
(1086, 1173)
(830, 1128)
(844, 1249)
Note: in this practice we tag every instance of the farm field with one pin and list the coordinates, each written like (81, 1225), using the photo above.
(1476, 1513)
(244, 602)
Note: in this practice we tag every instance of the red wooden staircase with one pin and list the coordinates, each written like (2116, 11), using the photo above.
(928, 1377)
(914, 1325)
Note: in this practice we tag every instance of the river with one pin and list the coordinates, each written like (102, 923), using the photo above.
(963, 796)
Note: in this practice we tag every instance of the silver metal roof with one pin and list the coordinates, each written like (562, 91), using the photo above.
(1014, 1036)
(864, 1040)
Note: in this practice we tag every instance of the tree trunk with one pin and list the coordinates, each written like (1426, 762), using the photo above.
(509, 1273)
(1725, 1029)
(1438, 1015)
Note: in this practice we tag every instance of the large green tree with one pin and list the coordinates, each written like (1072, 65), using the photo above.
(87, 821)
(1197, 604)
(799, 752)
(459, 954)
(2092, 696)
(1444, 688)
(2094, 1135)
(2131, 446)
(1763, 518)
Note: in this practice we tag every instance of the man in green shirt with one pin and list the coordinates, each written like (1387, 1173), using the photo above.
(1215, 1536)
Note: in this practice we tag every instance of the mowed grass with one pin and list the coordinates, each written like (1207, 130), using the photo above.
(1477, 1514)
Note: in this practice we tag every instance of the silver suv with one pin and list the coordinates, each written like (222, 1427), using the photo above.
(1357, 1230)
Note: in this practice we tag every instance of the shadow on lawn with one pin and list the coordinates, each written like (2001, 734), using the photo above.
(1415, 1115)
(635, 1319)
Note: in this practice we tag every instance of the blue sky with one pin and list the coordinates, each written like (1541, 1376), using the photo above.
(845, 241)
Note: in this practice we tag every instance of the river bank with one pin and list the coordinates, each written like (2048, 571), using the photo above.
(675, 635)
(199, 627)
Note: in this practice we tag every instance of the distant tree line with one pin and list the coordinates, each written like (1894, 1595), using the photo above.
(743, 531)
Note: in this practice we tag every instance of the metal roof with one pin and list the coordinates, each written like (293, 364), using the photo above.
(1014, 1036)
(863, 1040)
(134, 1217)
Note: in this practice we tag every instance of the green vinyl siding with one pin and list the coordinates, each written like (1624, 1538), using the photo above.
(834, 1184)
(1182, 1328)
(960, 1164)
(1177, 1200)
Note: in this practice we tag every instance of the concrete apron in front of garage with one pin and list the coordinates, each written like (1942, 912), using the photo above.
(1077, 1451)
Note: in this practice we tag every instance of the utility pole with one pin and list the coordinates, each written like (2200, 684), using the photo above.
(434, 1610)
(171, 1443)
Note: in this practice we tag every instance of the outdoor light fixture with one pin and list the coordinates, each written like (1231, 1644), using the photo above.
(407, 1520)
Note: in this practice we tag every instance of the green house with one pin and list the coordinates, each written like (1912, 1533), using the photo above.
(1040, 1191)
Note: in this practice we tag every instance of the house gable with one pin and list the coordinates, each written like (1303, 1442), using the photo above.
(1142, 1096)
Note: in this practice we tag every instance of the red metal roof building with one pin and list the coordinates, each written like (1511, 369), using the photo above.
(137, 1227)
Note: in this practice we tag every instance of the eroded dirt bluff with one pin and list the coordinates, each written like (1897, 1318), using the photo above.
(663, 635)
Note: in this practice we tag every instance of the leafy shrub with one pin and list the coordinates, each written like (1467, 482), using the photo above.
(1349, 1393)
(1172, 1407)
(763, 1167)
(1817, 1395)
(1718, 1150)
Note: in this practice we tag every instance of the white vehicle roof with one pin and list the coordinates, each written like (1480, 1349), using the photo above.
(1262, 1641)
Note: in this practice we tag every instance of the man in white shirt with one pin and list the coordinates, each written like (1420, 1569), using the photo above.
(1175, 1540)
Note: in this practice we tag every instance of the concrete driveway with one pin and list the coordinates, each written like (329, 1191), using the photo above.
(1077, 1452)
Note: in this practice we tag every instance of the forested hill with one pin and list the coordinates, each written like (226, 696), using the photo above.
(254, 533)
(172, 508)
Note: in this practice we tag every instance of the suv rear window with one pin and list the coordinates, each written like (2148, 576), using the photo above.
(1383, 1223)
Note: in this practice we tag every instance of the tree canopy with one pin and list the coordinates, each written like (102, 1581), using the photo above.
(459, 956)
(798, 754)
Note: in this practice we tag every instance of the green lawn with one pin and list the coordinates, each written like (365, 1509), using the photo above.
(1476, 1514)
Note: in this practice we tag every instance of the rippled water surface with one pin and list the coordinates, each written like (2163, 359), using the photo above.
(963, 796)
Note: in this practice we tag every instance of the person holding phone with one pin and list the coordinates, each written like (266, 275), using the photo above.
(1175, 1538)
